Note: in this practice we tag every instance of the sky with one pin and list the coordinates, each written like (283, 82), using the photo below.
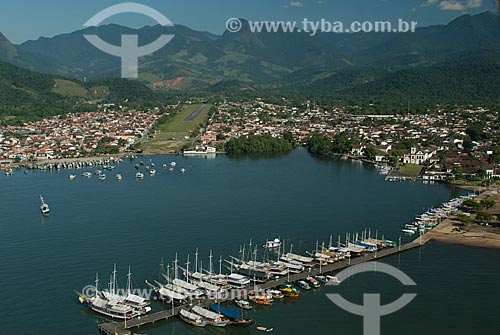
(23, 20)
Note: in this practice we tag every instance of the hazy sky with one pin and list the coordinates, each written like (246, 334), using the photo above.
(21, 20)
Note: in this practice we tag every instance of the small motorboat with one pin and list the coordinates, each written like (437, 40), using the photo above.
(152, 172)
(244, 304)
(276, 243)
(119, 177)
(264, 329)
(139, 175)
(313, 282)
(72, 177)
(333, 280)
(183, 170)
(102, 177)
(303, 285)
(276, 294)
(44, 207)
(321, 279)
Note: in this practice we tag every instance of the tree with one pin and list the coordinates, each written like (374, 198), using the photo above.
(484, 216)
(472, 204)
(371, 152)
(488, 202)
(319, 144)
(290, 138)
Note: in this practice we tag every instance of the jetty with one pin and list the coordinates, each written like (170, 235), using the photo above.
(124, 328)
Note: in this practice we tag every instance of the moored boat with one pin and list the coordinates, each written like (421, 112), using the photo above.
(313, 282)
(244, 304)
(303, 285)
(259, 299)
(212, 318)
(276, 294)
(192, 318)
(321, 279)
(333, 280)
(274, 244)
(44, 207)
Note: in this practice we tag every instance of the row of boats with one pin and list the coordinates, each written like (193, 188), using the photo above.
(187, 287)
(430, 219)
(139, 175)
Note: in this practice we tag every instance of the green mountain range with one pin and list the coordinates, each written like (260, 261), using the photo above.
(457, 62)
(27, 94)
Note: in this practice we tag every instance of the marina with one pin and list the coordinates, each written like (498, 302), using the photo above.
(195, 312)
(122, 328)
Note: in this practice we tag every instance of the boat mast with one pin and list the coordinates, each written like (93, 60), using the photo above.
(210, 265)
(250, 249)
(176, 274)
(331, 240)
(196, 261)
(162, 269)
(220, 265)
(129, 281)
(96, 284)
(114, 280)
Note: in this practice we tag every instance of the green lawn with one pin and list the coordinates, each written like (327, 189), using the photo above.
(69, 88)
(171, 136)
(411, 170)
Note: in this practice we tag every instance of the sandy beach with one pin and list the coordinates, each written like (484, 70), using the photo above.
(476, 235)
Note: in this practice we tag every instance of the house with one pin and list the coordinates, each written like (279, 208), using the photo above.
(418, 157)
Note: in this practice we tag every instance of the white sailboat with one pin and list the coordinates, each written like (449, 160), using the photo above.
(44, 207)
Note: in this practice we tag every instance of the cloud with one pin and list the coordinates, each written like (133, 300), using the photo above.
(428, 3)
(296, 4)
(459, 5)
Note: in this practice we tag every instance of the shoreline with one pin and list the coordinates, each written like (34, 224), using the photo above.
(477, 236)
(444, 233)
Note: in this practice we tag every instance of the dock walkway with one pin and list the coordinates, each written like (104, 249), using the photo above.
(119, 328)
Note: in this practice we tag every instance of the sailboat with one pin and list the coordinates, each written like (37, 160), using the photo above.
(212, 319)
(192, 318)
(44, 207)
(100, 304)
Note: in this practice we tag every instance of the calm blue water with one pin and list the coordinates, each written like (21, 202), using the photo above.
(220, 204)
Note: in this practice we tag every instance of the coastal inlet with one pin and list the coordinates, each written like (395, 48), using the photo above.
(216, 204)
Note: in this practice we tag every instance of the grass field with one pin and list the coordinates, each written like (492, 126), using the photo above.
(172, 135)
(69, 88)
(411, 170)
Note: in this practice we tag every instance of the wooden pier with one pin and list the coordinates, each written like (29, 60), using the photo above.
(122, 328)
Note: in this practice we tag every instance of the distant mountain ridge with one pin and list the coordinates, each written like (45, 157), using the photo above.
(255, 59)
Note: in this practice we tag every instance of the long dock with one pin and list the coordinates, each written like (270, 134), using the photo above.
(122, 328)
